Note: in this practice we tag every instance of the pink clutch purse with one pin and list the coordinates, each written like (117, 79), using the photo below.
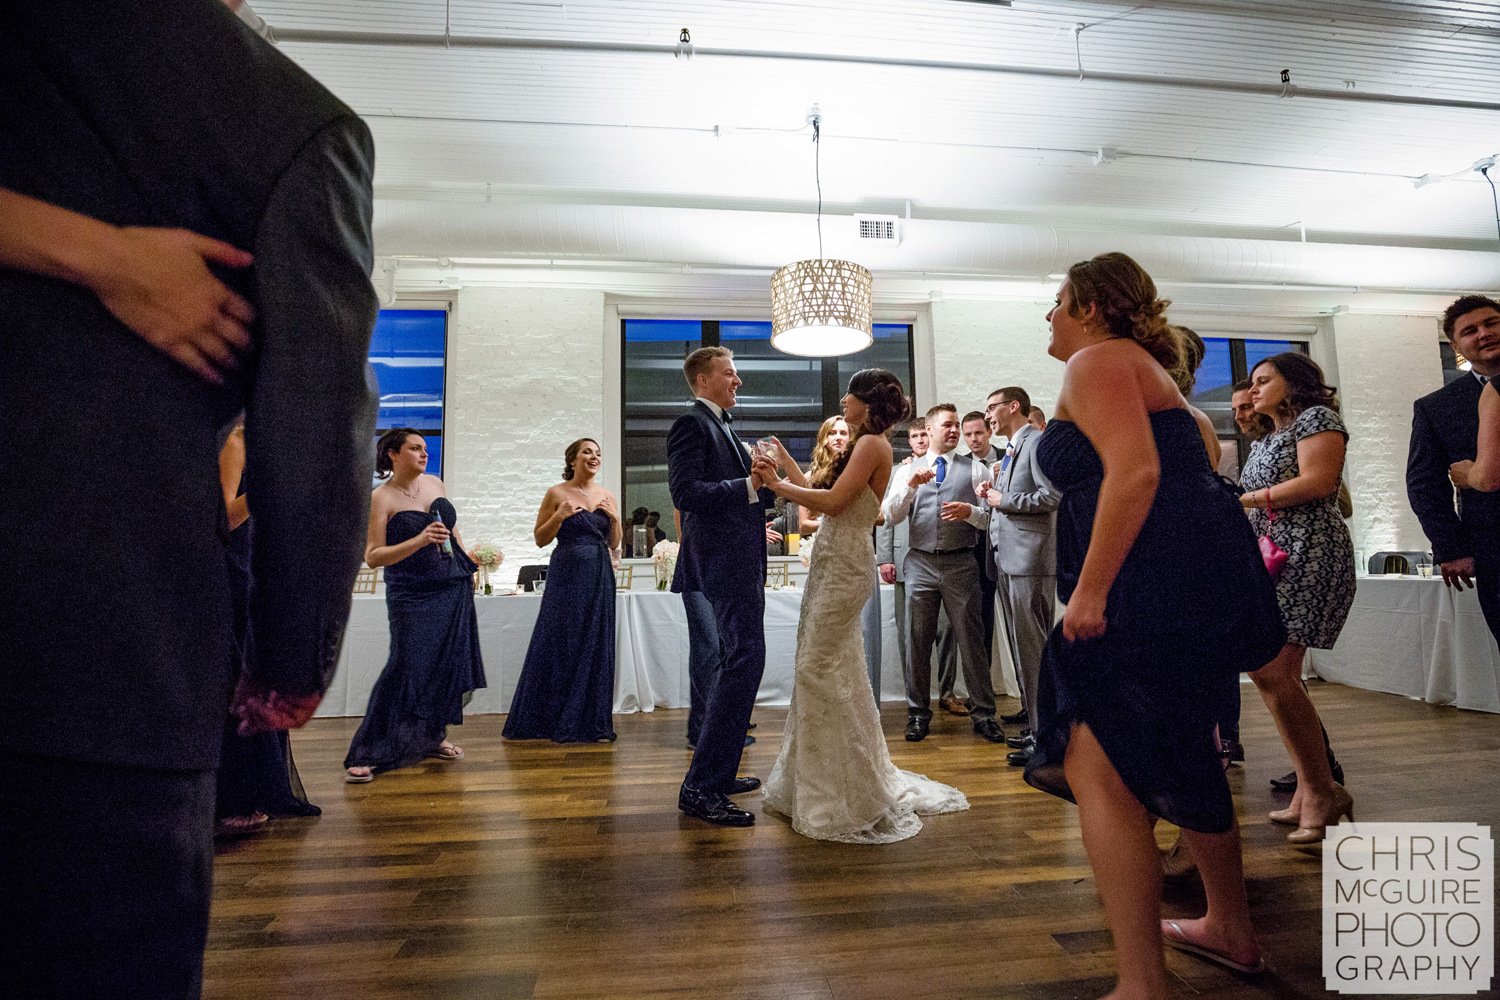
(1273, 555)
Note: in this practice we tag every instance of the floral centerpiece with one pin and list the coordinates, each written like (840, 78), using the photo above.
(664, 561)
(486, 557)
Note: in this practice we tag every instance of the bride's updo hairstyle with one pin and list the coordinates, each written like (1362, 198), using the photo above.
(392, 440)
(1125, 297)
(886, 405)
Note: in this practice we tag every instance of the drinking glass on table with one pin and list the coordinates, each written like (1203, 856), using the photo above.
(1424, 567)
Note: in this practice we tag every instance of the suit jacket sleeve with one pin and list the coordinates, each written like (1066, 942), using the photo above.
(1042, 500)
(691, 493)
(885, 543)
(311, 412)
(1429, 490)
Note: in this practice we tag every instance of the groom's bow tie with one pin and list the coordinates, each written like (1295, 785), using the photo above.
(728, 417)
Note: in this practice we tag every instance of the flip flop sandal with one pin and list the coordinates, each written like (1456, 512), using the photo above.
(449, 753)
(358, 779)
(1174, 937)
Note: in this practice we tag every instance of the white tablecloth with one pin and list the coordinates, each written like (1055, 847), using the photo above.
(650, 651)
(1416, 637)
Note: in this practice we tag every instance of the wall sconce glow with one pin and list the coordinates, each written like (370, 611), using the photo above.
(821, 308)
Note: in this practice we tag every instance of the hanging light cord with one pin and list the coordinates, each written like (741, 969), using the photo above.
(1483, 170)
(818, 178)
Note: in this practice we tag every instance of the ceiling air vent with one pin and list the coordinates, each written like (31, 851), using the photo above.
(879, 228)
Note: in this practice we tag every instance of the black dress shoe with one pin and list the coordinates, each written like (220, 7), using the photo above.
(1017, 719)
(712, 807)
(739, 786)
(1019, 742)
(751, 725)
(916, 729)
(989, 729)
(1288, 782)
(1019, 758)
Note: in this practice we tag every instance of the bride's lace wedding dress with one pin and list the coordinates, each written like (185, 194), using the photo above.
(834, 777)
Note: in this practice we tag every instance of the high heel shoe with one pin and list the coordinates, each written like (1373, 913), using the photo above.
(1343, 805)
(1286, 817)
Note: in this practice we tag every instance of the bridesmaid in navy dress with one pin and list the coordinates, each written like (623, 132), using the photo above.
(567, 684)
(1167, 602)
(257, 775)
(429, 596)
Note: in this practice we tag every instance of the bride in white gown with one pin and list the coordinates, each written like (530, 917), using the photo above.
(834, 777)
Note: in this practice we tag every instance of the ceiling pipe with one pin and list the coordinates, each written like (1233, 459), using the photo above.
(551, 234)
(1278, 90)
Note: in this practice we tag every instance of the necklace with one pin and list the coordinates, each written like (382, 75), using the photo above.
(415, 496)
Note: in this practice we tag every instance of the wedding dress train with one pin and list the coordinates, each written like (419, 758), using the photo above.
(833, 777)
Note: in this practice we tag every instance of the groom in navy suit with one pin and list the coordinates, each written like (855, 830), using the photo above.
(723, 557)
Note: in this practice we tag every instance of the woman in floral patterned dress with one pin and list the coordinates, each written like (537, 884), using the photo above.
(1291, 487)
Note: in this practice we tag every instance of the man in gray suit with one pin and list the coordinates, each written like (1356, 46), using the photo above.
(940, 573)
(1023, 519)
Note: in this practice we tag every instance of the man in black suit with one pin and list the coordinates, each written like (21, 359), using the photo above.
(1444, 432)
(112, 701)
(723, 557)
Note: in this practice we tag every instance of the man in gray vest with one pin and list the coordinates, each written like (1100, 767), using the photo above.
(1023, 518)
(941, 573)
(891, 543)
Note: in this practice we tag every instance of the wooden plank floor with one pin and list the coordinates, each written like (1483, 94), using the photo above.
(566, 872)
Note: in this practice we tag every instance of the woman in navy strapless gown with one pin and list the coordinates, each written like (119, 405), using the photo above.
(567, 684)
(257, 775)
(429, 595)
(1167, 600)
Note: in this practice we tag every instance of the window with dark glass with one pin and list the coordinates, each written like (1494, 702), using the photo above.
(782, 395)
(408, 351)
(1228, 360)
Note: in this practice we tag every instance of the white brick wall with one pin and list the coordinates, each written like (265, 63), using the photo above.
(1384, 362)
(525, 378)
(979, 347)
(526, 375)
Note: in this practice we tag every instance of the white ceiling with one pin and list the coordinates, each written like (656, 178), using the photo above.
(570, 131)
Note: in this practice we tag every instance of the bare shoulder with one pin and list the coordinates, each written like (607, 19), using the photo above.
(382, 500)
(434, 484)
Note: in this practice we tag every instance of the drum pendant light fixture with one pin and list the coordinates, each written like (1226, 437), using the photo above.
(821, 307)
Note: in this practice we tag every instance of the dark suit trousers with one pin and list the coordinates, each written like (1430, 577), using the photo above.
(731, 698)
(704, 657)
(105, 879)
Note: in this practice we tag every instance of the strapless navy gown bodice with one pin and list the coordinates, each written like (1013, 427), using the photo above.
(1191, 607)
(427, 565)
(434, 661)
(566, 689)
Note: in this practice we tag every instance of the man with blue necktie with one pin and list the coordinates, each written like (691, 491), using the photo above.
(941, 573)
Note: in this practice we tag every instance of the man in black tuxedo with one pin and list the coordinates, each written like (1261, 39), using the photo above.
(723, 557)
(1444, 433)
(114, 602)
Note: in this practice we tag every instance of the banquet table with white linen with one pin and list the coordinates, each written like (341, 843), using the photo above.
(1414, 636)
(650, 650)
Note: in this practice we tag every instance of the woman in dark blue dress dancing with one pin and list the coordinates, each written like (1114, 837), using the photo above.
(1167, 600)
(429, 595)
(567, 684)
(257, 775)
